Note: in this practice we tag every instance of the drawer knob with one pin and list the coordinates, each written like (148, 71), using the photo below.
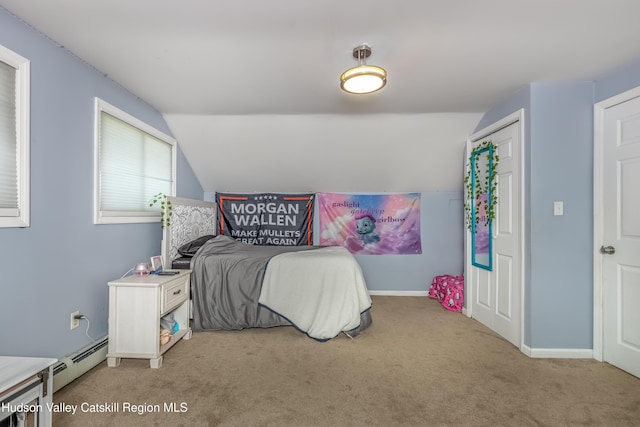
(177, 292)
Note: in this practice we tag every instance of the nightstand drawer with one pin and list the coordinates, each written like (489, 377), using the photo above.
(174, 293)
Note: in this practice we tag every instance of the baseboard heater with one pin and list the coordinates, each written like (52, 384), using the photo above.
(71, 367)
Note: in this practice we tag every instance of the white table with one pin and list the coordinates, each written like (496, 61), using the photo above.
(26, 388)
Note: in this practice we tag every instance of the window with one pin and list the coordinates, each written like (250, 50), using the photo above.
(14, 139)
(133, 162)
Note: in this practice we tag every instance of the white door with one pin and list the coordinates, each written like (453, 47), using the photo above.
(496, 295)
(621, 236)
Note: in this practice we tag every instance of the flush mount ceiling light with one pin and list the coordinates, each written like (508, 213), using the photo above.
(363, 78)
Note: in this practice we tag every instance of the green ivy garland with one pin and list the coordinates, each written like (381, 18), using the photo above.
(164, 202)
(481, 186)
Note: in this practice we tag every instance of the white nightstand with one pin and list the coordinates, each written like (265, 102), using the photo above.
(136, 304)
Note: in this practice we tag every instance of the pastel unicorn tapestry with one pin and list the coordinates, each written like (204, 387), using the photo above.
(373, 224)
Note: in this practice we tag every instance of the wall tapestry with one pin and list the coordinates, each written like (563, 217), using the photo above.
(266, 218)
(371, 224)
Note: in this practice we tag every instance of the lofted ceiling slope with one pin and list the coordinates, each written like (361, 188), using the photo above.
(197, 61)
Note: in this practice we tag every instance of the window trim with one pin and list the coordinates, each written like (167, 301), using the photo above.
(23, 138)
(99, 217)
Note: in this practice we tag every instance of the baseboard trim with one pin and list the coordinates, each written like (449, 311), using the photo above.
(558, 353)
(400, 293)
(71, 367)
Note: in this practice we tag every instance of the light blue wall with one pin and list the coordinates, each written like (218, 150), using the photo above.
(617, 81)
(561, 149)
(559, 166)
(442, 233)
(518, 100)
(63, 262)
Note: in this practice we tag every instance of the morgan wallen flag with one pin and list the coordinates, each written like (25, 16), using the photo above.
(371, 224)
(266, 218)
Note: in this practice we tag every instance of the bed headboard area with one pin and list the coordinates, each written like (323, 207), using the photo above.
(189, 220)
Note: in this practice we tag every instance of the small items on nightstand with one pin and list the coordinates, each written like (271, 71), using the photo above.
(156, 263)
(167, 273)
(142, 269)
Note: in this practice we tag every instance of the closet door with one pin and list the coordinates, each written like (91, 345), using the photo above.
(620, 244)
(494, 297)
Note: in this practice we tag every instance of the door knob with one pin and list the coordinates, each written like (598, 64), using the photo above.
(609, 250)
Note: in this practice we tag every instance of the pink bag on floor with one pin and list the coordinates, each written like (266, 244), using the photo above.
(449, 290)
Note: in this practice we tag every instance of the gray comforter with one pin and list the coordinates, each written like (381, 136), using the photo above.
(226, 283)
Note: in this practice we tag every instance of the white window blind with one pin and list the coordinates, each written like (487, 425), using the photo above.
(8, 142)
(14, 139)
(134, 165)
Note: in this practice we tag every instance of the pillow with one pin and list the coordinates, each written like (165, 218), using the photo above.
(190, 248)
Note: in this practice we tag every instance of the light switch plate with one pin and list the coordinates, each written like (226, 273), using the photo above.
(558, 208)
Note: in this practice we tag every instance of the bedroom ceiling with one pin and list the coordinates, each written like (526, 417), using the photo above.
(239, 57)
(255, 83)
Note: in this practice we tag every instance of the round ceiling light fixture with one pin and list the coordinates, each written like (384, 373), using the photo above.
(363, 78)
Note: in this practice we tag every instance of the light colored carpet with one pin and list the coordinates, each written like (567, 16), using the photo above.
(417, 365)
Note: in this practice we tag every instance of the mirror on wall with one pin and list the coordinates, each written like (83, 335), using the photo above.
(481, 223)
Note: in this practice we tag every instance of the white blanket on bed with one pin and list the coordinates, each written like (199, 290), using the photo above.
(322, 292)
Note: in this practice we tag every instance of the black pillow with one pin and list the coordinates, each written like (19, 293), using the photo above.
(190, 248)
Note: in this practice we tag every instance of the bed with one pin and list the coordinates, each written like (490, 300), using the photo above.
(319, 290)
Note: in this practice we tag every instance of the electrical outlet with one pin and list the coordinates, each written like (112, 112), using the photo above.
(74, 322)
